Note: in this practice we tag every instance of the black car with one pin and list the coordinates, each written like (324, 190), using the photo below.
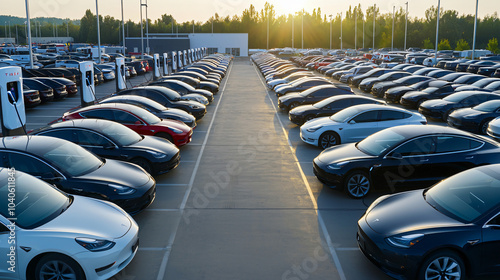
(380, 88)
(75, 170)
(183, 88)
(300, 85)
(58, 88)
(413, 99)
(367, 84)
(424, 71)
(468, 79)
(452, 77)
(194, 82)
(452, 65)
(401, 157)
(475, 119)
(112, 140)
(46, 92)
(168, 98)
(488, 71)
(473, 68)
(327, 107)
(154, 107)
(377, 72)
(310, 96)
(441, 108)
(198, 76)
(31, 97)
(439, 73)
(394, 94)
(462, 67)
(449, 231)
(354, 72)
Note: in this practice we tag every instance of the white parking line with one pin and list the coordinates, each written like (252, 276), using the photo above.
(304, 178)
(163, 267)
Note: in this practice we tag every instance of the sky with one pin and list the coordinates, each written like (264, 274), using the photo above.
(202, 10)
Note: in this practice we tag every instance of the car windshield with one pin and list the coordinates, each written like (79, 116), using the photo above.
(70, 158)
(345, 114)
(379, 142)
(488, 107)
(170, 94)
(430, 90)
(457, 97)
(325, 102)
(483, 82)
(386, 75)
(309, 91)
(146, 116)
(493, 86)
(467, 195)
(121, 134)
(36, 202)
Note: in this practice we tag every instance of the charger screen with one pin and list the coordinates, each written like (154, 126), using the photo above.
(14, 92)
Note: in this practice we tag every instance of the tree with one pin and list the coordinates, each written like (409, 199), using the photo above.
(428, 44)
(444, 45)
(493, 45)
(462, 45)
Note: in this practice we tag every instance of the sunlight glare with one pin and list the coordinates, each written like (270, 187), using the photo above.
(288, 6)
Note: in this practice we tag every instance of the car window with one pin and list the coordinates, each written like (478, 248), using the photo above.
(446, 144)
(124, 117)
(91, 139)
(65, 134)
(420, 146)
(322, 93)
(98, 114)
(30, 165)
(341, 104)
(495, 221)
(389, 115)
(371, 116)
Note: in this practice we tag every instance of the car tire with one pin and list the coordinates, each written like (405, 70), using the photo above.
(293, 105)
(52, 265)
(357, 184)
(442, 262)
(166, 136)
(145, 164)
(483, 127)
(328, 139)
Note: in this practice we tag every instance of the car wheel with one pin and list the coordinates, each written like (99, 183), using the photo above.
(420, 102)
(328, 139)
(166, 136)
(293, 105)
(308, 118)
(146, 165)
(483, 127)
(54, 266)
(357, 184)
(442, 265)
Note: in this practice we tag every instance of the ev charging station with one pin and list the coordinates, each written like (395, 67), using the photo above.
(180, 64)
(88, 87)
(174, 61)
(192, 55)
(165, 65)
(12, 109)
(189, 59)
(198, 56)
(120, 74)
(184, 58)
(156, 72)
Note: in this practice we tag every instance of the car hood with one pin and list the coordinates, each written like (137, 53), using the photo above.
(369, 80)
(167, 123)
(92, 218)
(118, 172)
(342, 152)
(276, 82)
(436, 103)
(384, 220)
(323, 121)
(301, 109)
(467, 112)
(383, 84)
(398, 89)
(156, 144)
(282, 88)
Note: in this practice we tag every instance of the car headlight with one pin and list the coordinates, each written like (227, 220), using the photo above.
(405, 241)
(175, 130)
(121, 190)
(314, 128)
(95, 245)
(337, 165)
(157, 154)
(193, 107)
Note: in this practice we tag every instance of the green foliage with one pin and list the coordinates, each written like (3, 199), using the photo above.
(462, 45)
(428, 44)
(493, 45)
(444, 45)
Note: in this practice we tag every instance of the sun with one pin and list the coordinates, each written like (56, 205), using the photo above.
(289, 6)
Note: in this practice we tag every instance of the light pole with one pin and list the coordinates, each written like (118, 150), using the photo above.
(474, 37)
(392, 34)
(123, 31)
(293, 30)
(406, 23)
(302, 28)
(267, 45)
(142, 35)
(437, 33)
(363, 31)
(67, 28)
(98, 30)
(331, 25)
(10, 34)
(355, 29)
(5, 27)
(374, 15)
(341, 31)
(29, 33)
(193, 26)
(147, 28)
(212, 25)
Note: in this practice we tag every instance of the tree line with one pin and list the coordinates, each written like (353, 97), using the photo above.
(455, 31)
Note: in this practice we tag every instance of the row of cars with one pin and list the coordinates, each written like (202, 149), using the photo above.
(98, 160)
(369, 144)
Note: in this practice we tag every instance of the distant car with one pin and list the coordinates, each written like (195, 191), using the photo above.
(196, 83)
(402, 157)
(441, 108)
(310, 96)
(379, 89)
(75, 170)
(454, 235)
(58, 88)
(67, 236)
(394, 94)
(112, 140)
(473, 68)
(377, 72)
(300, 85)
(477, 118)
(136, 118)
(413, 99)
(367, 84)
(184, 89)
(327, 107)
(31, 98)
(46, 92)
(355, 123)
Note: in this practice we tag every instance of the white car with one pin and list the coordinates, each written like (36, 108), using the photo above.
(48, 234)
(494, 128)
(355, 123)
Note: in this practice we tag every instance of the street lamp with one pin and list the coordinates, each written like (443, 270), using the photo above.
(474, 37)
(123, 31)
(406, 23)
(341, 31)
(331, 22)
(142, 31)
(98, 30)
(267, 45)
(29, 33)
(363, 30)
(392, 34)
(302, 28)
(356, 28)
(374, 15)
(437, 32)
(293, 29)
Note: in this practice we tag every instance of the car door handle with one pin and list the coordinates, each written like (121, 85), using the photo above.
(469, 157)
(424, 160)
(78, 190)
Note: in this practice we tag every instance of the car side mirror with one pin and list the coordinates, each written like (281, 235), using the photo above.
(50, 177)
(138, 123)
(352, 122)
(109, 147)
(396, 156)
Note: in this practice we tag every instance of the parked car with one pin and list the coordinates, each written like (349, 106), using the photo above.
(300, 85)
(473, 68)
(75, 170)
(58, 89)
(454, 235)
(367, 84)
(46, 92)
(394, 94)
(414, 99)
(310, 96)
(31, 98)
(379, 89)
(112, 140)
(355, 123)
(431, 153)
(377, 72)
(64, 236)
(185, 89)
(477, 118)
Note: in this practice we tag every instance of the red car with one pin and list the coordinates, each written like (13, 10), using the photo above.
(137, 119)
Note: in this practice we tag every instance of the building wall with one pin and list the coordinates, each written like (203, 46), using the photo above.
(158, 44)
(221, 41)
(46, 40)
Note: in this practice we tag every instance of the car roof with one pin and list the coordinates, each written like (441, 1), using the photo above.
(92, 124)
(410, 131)
(122, 106)
(31, 143)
